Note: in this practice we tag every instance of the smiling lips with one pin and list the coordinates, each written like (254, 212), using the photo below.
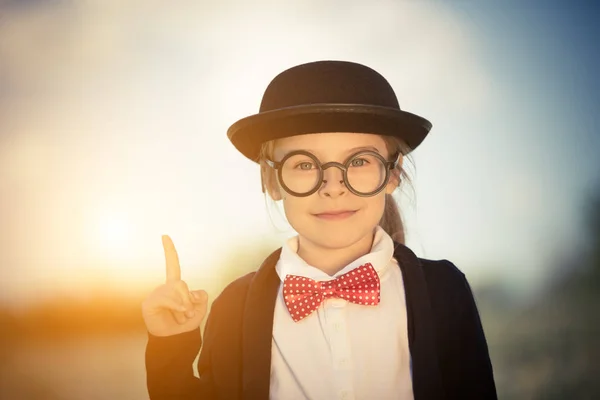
(336, 215)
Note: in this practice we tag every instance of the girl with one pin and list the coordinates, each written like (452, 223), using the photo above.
(344, 309)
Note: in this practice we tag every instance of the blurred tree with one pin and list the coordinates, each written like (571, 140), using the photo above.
(549, 348)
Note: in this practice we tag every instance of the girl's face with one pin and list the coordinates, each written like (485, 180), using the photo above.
(308, 215)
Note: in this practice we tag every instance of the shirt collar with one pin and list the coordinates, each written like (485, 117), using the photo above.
(290, 263)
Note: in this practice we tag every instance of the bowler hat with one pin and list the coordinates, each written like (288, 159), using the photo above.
(327, 96)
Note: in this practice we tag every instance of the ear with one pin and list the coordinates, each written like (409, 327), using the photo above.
(394, 182)
(275, 193)
(395, 179)
(269, 185)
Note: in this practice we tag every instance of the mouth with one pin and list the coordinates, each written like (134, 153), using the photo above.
(336, 215)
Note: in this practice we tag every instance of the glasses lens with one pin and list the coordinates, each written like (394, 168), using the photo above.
(366, 173)
(300, 173)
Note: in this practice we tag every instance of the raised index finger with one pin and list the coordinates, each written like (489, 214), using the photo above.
(173, 270)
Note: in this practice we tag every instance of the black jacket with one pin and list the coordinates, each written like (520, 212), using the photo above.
(449, 352)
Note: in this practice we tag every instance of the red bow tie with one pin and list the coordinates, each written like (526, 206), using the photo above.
(304, 295)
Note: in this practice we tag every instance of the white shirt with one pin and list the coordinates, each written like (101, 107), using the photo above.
(343, 350)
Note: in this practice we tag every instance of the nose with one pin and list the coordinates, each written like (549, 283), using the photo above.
(333, 183)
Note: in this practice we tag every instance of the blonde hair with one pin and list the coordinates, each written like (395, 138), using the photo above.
(391, 220)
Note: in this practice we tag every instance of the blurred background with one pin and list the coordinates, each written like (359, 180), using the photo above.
(113, 119)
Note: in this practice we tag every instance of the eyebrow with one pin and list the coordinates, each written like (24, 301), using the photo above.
(372, 148)
(349, 151)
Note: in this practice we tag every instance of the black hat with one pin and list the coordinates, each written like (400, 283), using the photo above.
(327, 96)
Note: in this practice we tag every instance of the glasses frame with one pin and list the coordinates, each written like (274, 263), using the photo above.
(389, 165)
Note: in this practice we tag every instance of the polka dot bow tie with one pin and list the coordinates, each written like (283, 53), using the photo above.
(303, 295)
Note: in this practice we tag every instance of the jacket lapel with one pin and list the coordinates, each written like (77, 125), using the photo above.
(257, 328)
(427, 382)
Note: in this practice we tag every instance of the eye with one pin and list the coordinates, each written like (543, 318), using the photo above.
(305, 165)
(359, 162)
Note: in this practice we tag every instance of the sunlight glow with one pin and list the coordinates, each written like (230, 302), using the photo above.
(113, 235)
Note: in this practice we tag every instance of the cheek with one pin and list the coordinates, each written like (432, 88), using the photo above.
(295, 208)
(375, 206)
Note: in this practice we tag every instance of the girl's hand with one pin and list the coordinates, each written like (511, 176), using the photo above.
(171, 308)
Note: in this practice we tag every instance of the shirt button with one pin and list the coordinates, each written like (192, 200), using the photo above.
(337, 326)
(344, 394)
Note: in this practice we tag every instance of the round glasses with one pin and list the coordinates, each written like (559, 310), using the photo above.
(365, 173)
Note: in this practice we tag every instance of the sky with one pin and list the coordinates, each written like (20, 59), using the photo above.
(113, 119)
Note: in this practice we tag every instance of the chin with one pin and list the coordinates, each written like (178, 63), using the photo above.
(334, 236)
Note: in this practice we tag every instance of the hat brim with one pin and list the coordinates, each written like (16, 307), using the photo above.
(248, 134)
